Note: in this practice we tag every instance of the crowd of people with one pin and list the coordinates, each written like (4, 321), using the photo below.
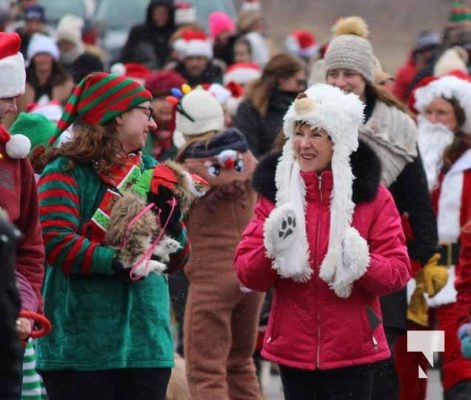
(289, 203)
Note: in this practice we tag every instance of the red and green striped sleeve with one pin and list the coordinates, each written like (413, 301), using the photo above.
(59, 205)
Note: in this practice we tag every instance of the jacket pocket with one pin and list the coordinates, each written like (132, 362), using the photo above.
(372, 321)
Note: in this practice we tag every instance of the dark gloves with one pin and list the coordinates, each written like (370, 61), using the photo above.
(170, 213)
(120, 272)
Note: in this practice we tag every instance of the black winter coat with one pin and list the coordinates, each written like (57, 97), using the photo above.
(10, 348)
(261, 131)
(156, 37)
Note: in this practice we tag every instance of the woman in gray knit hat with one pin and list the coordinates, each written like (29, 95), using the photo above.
(349, 64)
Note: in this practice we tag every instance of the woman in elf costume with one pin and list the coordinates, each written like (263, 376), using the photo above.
(111, 336)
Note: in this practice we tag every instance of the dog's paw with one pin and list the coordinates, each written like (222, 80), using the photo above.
(166, 246)
(146, 267)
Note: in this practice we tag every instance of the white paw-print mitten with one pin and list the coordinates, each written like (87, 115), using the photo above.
(354, 262)
(282, 239)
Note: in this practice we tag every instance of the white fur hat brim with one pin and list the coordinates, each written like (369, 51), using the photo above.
(12, 76)
(447, 87)
(241, 75)
(195, 48)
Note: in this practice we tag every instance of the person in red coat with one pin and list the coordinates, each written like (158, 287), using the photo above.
(329, 246)
(18, 196)
(443, 105)
(444, 124)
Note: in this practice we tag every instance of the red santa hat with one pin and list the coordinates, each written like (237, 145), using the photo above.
(136, 71)
(12, 84)
(12, 66)
(302, 43)
(448, 87)
(242, 73)
(185, 14)
(194, 43)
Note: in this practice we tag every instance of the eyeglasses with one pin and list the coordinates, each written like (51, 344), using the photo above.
(148, 110)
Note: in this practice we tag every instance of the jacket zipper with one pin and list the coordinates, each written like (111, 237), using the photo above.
(375, 342)
(317, 285)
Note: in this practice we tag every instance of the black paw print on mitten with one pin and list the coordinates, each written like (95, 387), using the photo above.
(287, 226)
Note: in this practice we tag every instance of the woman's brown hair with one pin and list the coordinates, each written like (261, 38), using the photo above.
(90, 144)
(280, 66)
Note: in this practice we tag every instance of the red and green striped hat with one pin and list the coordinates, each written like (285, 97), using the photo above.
(99, 98)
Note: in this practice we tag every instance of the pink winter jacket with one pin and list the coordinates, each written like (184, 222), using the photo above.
(309, 326)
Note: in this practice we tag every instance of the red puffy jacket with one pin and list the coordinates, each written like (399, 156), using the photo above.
(310, 327)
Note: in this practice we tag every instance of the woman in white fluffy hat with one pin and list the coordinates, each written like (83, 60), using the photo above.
(329, 244)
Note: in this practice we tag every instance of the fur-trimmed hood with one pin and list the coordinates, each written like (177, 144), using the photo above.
(366, 167)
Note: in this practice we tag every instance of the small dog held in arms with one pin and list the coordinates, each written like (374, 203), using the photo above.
(134, 228)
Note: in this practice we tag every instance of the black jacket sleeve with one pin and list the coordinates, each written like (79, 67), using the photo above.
(248, 121)
(10, 347)
(411, 195)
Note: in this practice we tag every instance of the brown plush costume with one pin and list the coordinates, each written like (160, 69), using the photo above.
(220, 319)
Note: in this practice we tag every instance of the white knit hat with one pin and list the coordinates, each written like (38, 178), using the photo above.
(447, 87)
(340, 115)
(70, 28)
(350, 48)
(242, 73)
(12, 66)
(42, 44)
(198, 112)
(452, 59)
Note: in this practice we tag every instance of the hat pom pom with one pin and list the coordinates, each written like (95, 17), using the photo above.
(118, 69)
(351, 26)
(18, 146)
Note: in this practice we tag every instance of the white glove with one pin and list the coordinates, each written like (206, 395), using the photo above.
(354, 262)
(282, 238)
(166, 246)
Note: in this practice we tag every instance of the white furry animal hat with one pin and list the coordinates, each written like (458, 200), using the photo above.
(340, 115)
(447, 87)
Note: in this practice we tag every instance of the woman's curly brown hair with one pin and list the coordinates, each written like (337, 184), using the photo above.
(90, 144)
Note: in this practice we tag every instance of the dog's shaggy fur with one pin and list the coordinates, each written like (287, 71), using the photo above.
(139, 237)
(132, 242)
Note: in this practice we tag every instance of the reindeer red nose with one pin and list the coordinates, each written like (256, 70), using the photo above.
(229, 163)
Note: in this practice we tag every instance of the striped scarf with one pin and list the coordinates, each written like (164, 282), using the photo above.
(33, 387)
(120, 178)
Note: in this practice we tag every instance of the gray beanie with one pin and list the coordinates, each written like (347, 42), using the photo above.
(351, 52)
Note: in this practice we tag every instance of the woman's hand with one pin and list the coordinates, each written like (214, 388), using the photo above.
(24, 327)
